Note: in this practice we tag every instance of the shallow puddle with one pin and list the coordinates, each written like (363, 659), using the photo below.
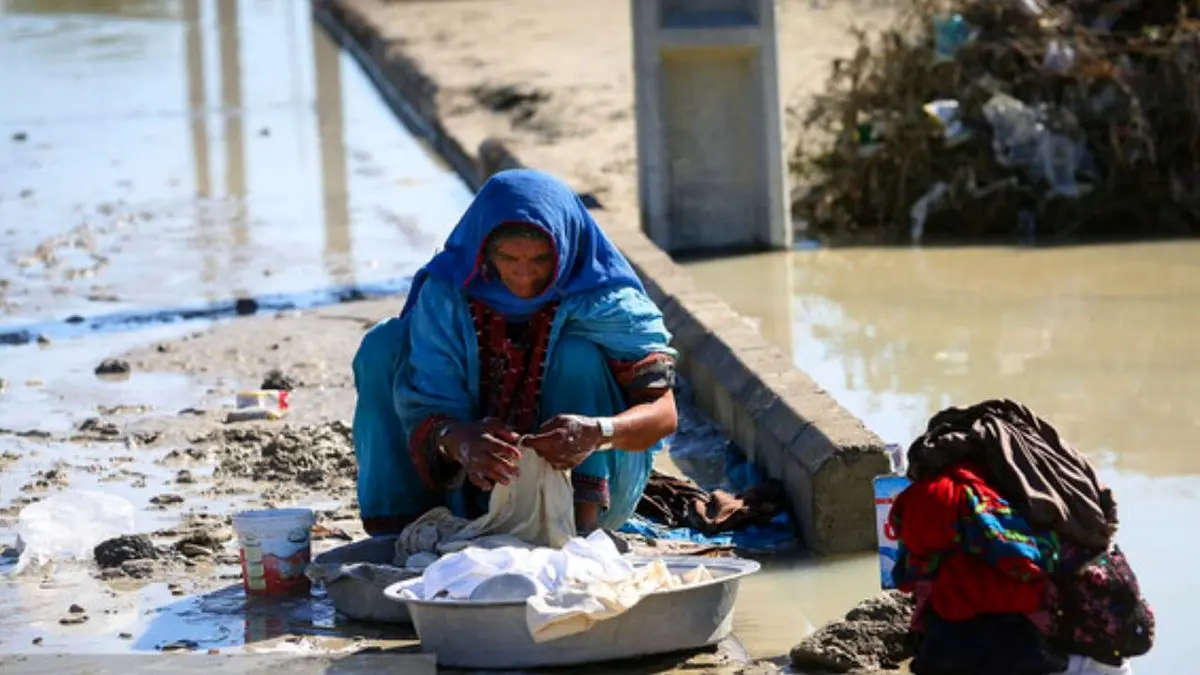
(162, 154)
(158, 155)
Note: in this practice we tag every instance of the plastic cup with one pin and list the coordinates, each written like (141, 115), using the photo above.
(275, 547)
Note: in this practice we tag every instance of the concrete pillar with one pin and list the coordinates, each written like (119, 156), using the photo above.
(711, 165)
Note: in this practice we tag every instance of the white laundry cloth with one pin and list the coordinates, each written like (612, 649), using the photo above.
(1082, 665)
(422, 536)
(538, 507)
(585, 582)
(438, 531)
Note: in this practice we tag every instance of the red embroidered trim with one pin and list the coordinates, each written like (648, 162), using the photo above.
(511, 375)
(590, 489)
(421, 450)
(626, 372)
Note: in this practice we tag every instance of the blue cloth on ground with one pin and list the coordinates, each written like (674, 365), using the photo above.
(426, 361)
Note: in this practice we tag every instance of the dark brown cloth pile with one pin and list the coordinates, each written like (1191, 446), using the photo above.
(1046, 480)
(677, 502)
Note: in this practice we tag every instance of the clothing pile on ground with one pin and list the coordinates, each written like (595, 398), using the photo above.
(678, 502)
(1006, 541)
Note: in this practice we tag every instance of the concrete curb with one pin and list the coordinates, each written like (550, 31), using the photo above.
(784, 421)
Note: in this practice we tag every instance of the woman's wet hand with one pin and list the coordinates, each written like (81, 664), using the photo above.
(487, 451)
(564, 441)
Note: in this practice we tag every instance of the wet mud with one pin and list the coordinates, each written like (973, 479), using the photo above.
(872, 638)
(174, 584)
(201, 213)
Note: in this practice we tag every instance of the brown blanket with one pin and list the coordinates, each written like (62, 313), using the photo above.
(1046, 480)
(678, 502)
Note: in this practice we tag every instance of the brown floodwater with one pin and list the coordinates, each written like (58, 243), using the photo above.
(212, 148)
(1102, 341)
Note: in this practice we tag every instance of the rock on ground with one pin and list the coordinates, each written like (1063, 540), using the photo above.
(116, 551)
(278, 380)
(873, 636)
(113, 367)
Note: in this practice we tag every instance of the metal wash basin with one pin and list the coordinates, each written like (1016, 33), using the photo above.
(466, 634)
(355, 576)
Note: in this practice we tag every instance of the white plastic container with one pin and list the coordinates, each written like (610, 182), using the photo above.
(275, 546)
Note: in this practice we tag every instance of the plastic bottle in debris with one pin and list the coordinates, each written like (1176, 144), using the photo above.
(263, 404)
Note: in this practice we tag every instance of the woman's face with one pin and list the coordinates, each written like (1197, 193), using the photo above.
(525, 265)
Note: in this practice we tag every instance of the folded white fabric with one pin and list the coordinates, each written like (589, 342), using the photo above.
(1082, 665)
(570, 589)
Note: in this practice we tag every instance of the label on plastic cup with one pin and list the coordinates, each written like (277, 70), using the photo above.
(275, 552)
(886, 490)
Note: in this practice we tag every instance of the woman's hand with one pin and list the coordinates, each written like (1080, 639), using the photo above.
(564, 441)
(487, 451)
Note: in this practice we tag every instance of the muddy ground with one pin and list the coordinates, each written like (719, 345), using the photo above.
(187, 469)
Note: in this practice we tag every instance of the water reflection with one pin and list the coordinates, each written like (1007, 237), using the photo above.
(145, 9)
(196, 100)
(231, 107)
(1099, 340)
(229, 148)
(333, 150)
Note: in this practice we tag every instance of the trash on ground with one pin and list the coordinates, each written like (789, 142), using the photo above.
(69, 525)
(265, 404)
(1084, 105)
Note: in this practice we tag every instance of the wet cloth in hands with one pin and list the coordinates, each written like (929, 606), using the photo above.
(573, 588)
(677, 502)
(537, 509)
(1046, 480)
(956, 532)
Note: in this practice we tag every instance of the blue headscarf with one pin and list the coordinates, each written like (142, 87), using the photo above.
(587, 260)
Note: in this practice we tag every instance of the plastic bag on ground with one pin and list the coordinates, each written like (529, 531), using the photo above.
(1021, 138)
(69, 525)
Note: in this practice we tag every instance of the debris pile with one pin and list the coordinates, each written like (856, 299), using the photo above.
(316, 456)
(1003, 120)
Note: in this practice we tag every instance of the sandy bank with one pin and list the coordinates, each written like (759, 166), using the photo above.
(553, 78)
